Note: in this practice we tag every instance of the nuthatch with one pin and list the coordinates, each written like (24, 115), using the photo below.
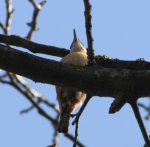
(69, 98)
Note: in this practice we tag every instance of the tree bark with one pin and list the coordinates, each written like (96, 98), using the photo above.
(94, 80)
(32, 46)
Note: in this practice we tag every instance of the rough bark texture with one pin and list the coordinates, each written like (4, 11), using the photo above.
(94, 80)
(103, 61)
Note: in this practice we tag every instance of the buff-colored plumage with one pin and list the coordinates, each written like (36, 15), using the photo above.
(69, 98)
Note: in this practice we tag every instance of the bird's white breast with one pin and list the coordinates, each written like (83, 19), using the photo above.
(75, 58)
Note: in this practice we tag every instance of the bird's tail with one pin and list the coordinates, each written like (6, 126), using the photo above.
(63, 126)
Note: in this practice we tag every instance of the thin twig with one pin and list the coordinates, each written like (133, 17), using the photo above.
(140, 122)
(9, 14)
(39, 109)
(40, 98)
(4, 81)
(56, 134)
(28, 96)
(33, 23)
(146, 108)
(71, 137)
(55, 138)
(2, 26)
(28, 109)
(88, 24)
(76, 133)
(77, 116)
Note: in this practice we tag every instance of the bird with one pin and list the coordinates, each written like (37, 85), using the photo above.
(69, 98)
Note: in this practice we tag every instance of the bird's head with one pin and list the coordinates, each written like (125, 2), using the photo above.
(77, 45)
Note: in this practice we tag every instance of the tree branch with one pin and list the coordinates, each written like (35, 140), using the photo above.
(93, 80)
(42, 112)
(33, 24)
(88, 25)
(61, 52)
(72, 138)
(147, 109)
(76, 133)
(140, 122)
(77, 117)
(32, 46)
(9, 12)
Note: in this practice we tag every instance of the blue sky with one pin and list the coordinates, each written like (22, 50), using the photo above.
(121, 29)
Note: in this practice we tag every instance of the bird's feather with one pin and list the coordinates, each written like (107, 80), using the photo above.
(70, 98)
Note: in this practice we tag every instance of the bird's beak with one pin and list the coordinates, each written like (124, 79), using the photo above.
(75, 35)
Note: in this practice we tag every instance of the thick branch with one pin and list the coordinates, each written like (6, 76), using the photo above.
(32, 46)
(60, 52)
(92, 80)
